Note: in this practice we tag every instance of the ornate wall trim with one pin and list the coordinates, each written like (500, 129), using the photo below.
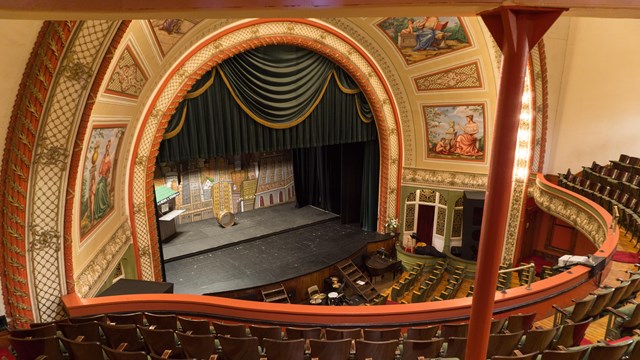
(92, 277)
(442, 179)
(19, 153)
(215, 48)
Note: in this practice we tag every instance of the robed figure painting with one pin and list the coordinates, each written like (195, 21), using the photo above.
(455, 132)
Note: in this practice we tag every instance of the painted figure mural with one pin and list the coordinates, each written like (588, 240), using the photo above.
(97, 185)
(424, 37)
(455, 132)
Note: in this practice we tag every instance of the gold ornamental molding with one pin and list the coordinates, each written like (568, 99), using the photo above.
(92, 277)
(444, 179)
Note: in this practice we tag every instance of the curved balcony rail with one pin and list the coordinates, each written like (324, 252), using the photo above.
(576, 282)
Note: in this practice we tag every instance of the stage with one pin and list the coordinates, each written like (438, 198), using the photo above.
(267, 246)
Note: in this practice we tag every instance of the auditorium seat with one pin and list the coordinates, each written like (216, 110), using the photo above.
(136, 318)
(455, 347)
(538, 339)
(82, 350)
(602, 299)
(330, 349)
(381, 334)
(622, 321)
(89, 330)
(31, 348)
(118, 334)
(608, 352)
(563, 354)
(518, 355)
(197, 346)
(195, 326)
(571, 334)
(520, 322)
(303, 333)
(115, 354)
(100, 318)
(265, 332)
(454, 330)
(379, 350)
(284, 349)
(337, 334)
(497, 325)
(422, 333)
(162, 321)
(233, 330)
(503, 344)
(575, 313)
(159, 341)
(37, 332)
(412, 349)
(239, 348)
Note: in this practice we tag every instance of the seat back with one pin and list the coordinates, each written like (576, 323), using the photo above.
(90, 330)
(162, 321)
(265, 332)
(497, 325)
(32, 348)
(412, 349)
(581, 308)
(382, 350)
(454, 330)
(422, 333)
(563, 354)
(520, 356)
(284, 349)
(136, 318)
(618, 292)
(37, 332)
(82, 350)
(571, 335)
(337, 334)
(330, 349)
(114, 354)
(381, 334)
(239, 348)
(503, 344)
(196, 326)
(197, 346)
(101, 318)
(456, 347)
(609, 352)
(536, 340)
(158, 341)
(119, 334)
(602, 299)
(233, 330)
(303, 333)
(520, 322)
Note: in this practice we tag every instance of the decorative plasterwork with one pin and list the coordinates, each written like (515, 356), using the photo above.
(91, 278)
(583, 220)
(128, 77)
(444, 179)
(464, 76)
(45, 212)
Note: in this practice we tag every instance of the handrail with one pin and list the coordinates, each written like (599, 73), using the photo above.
(538, 297)
(530, 278)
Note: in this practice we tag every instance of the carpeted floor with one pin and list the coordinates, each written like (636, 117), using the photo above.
(627, 257)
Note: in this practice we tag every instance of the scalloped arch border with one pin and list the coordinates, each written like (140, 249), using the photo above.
(219, 46)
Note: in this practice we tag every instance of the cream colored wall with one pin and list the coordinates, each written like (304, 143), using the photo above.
(598, 110)
(16, 43)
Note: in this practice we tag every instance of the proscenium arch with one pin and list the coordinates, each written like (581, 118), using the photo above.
(214, 49)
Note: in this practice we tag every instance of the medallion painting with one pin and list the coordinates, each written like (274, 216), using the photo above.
(168, 31)
(455, 132)
(97, 185)
(424, 37)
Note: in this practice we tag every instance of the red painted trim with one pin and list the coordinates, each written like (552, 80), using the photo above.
(76, 159)
(310, 44)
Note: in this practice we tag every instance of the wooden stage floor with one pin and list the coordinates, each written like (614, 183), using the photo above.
(288, 248)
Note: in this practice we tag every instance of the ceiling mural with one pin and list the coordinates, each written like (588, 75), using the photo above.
(465, 76)
(128, 77)
(425, 37)
(167, 32)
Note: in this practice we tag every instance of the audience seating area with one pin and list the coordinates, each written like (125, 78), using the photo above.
(169, 336)
(615, 187)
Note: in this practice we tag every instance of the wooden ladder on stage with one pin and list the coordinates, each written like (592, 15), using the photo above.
(277, 295)
(358, 281)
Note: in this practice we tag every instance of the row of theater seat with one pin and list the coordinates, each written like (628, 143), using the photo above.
(616, 187)
(137, 335)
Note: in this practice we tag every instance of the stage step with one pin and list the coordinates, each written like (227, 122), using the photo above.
(278, 295)
(357, 280)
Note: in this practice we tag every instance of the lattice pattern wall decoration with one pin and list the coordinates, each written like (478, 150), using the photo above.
(305, 33)
(128, 77)
(456, 230)
(441, 221)
(409, 216)
(466, 76)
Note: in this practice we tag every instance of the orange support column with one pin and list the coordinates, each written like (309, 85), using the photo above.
(516, 30)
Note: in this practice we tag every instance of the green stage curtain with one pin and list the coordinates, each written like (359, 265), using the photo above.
(216, 125)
